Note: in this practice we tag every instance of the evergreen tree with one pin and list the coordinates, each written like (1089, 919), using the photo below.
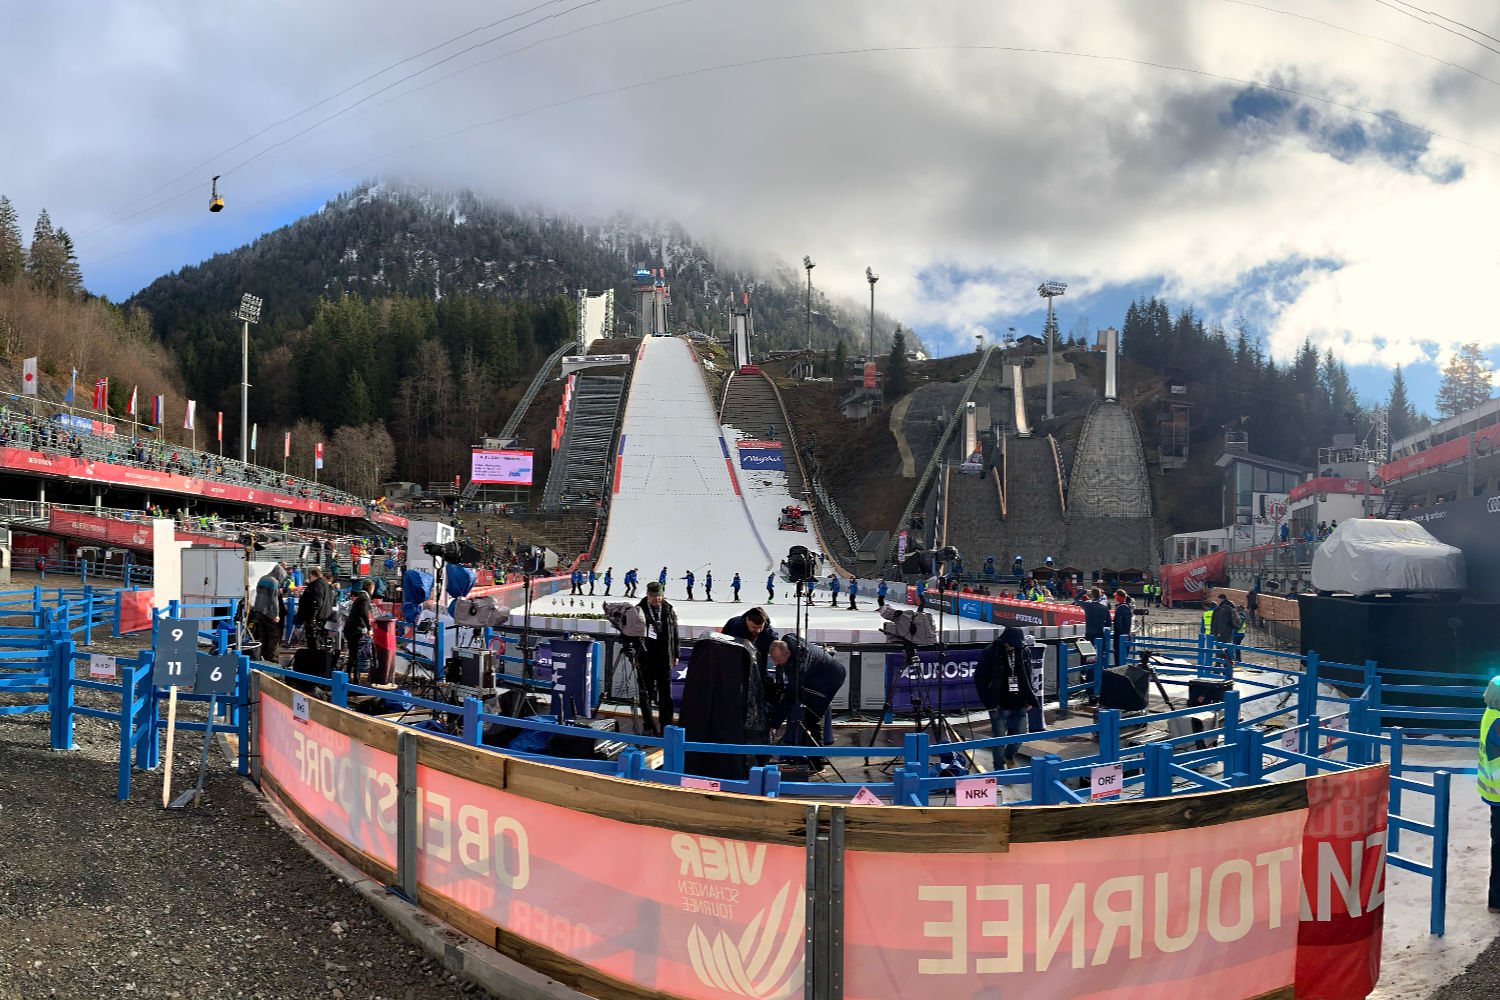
(897, 367)
(1466, 381)
(1399, 412)
(840, 361)
(70, 278)
(12, 252)
(45, 261)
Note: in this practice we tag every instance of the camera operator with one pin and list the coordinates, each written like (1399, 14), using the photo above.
(1002, 676)
(810, 677)
(357, 629)
(659, 656)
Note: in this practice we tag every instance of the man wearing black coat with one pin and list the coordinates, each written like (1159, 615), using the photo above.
(313, 609)
(357, 626)
(1002, 676)
(1095, 617)
(754, 626)
(821, 676)
(660, 654)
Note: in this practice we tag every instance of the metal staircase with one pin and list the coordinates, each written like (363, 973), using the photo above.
(581, 469)
(519, 413)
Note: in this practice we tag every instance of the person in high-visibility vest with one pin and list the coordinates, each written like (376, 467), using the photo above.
(1208, 614)
(1489, 781)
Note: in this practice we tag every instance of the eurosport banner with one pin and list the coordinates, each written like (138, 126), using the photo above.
(758, 456)
(34, 462)
(1246, 909)
(694, 916)
(508, 466)
(1185, 581)
(952, 687)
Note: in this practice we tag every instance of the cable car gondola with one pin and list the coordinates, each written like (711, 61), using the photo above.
(215, 203)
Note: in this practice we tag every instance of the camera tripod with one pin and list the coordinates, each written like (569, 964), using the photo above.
(796, 723)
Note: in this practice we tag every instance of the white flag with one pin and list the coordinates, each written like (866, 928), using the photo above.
(131, 409)
(28, 377)
(187, 421)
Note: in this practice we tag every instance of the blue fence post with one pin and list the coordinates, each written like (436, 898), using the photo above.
(1393, 833)
(1359, 750)
(1052, 774)
(1109, 735)
(1311, 737)
(673, 755)
(1158, 778)
(1040, 789)
(242, 717)
(1204, 652)
(88, 615)
(338, 689)
(1231, 713)
(1248, 757)
(61, 655)
(915, 751)
(1440, 804)
(128, 684)
(83, 571)
(1062, 680)
(36, 606)
(471, 721)
(1307, 689)
(1372, 672)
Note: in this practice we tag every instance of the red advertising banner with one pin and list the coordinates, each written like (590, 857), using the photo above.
(1330, 485)
(21, 460)
(126, 534)
(1174, 913)
(1343, 884)
(386, 517)
(1185, 581)
(1486, 440)
(694, 916)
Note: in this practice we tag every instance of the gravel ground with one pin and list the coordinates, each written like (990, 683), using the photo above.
(100, 898)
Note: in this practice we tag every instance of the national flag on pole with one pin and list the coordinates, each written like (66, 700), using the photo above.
(158, 409)
(187, 420)
(68, 396)
(318, 456)
(101, 394)
(253, 429)
(221, 426)
(286, 451)
(28, 376)
(131, 409)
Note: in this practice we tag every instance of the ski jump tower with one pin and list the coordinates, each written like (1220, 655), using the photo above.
(653, 295)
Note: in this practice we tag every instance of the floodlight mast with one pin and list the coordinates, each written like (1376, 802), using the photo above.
(808, 263)
(1050, 290)
(249, 312)
(872, 277)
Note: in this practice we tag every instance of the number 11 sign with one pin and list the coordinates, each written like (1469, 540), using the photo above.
(174, 664)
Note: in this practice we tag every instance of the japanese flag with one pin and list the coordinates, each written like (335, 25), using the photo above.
(28, 377)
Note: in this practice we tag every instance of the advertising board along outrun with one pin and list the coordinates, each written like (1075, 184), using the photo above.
(620, 888)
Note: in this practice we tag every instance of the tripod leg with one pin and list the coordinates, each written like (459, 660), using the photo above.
(885, 710)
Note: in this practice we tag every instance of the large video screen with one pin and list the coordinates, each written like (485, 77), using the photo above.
(513, 467)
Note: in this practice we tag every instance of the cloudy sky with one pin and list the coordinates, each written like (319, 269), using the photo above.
(1322, 168)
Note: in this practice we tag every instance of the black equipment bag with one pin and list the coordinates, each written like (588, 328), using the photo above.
(1124, 688)
(318, 662)
(1205, 692)
(722, 702)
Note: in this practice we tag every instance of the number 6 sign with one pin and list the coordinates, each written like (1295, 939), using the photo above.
(216, 674)
(176, 654)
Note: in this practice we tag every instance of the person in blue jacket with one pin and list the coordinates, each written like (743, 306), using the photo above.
(771, 588)
(880, 595)
(607, 574)
(833, 589)
(853, 592)
(591, 581)
(735, 586)
(662, 579)
(688, 576)
(708, 585)
(630, 578)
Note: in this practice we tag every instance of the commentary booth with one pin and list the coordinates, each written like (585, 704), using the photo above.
(621, 888)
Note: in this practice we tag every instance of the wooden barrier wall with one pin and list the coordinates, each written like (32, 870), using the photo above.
(1283, 610)
(618, 888)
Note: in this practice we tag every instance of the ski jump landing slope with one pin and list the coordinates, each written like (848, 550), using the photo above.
(678, 500)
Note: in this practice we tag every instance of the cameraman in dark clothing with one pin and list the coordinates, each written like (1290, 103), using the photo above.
(1003, 677)
(313, 609)
(821, 676)
(357, 626)
(660, 655)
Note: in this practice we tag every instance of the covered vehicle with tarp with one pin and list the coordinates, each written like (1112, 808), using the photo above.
(1363, 557)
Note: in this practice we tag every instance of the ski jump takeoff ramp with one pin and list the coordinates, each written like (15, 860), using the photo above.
(678, 501)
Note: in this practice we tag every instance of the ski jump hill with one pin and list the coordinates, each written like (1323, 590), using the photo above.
(679, 500)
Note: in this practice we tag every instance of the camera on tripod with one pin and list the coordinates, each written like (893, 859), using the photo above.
(801, 565)
(915, 628)
(457, 553)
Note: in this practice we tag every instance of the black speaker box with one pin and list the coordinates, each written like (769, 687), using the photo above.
(1207, 692)
(1124, 688)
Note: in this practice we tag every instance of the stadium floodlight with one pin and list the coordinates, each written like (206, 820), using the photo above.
(1050, 290)
(807, 262)
(872, 277)
(249, 312)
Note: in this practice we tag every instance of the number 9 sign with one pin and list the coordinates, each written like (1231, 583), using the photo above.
(175, 661)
